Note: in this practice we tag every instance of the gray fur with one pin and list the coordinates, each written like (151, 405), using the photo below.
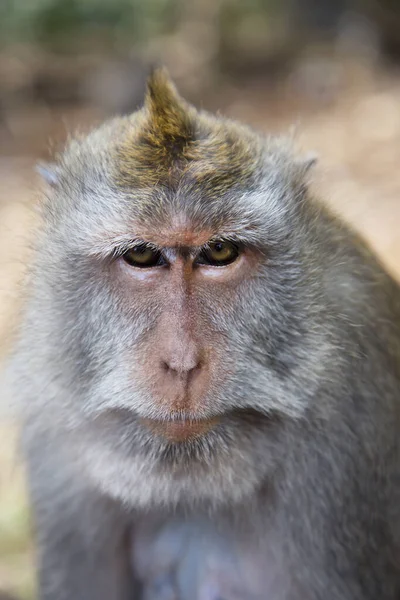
(302, 481)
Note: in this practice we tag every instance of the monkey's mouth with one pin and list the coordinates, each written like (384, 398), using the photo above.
(180, 430)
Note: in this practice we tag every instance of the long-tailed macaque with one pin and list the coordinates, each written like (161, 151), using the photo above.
(209, 373)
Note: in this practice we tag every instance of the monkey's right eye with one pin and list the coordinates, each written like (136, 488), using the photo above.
(143, 256)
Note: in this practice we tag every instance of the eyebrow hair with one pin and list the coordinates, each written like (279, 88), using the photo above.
(128, 244)
(113, 245)
(117, 249)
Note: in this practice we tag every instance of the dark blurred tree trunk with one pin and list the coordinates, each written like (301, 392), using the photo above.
(385, 14)
(320, 16)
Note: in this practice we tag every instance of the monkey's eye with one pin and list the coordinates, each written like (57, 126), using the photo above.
(218, 254)
(143, 256)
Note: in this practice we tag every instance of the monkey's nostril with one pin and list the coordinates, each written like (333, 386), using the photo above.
(181, 368)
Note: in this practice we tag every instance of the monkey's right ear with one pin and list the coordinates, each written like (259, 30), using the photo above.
(50, 172)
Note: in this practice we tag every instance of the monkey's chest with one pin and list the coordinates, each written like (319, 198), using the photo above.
(179, 560)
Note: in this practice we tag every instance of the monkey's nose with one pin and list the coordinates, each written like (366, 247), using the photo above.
(183, 376)
(181, 360)
(181, 366)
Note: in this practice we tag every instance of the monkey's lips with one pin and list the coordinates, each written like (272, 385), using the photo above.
(180, 430)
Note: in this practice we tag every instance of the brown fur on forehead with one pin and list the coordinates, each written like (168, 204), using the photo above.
(169, 142)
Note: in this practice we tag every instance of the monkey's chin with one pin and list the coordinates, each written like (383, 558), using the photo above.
(181, 430)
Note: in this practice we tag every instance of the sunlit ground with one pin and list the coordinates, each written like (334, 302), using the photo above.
(357, 136)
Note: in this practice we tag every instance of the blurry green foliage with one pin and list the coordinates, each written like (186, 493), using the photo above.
(54, 23)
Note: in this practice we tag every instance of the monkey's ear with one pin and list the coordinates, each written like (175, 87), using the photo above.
(50, 172)
(307, 162)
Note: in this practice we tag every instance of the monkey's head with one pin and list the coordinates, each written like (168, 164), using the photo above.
(175, 299)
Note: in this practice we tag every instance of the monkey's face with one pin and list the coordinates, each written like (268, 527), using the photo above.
(184, 339)
(180, 294)
(177, 301)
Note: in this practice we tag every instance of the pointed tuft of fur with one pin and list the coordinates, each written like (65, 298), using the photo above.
(169, 118)
(159, 136)
(166, 108)
(168, 141)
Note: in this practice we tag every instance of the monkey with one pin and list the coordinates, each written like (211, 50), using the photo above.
(207, 371)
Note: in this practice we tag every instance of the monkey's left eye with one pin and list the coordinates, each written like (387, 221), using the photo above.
(143, 256)
(219, 254)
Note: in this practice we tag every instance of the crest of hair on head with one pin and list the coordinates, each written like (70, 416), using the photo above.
(162, 98)
(168, 115)
(160, 143)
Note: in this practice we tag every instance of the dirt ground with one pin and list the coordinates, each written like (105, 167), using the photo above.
(356, 133)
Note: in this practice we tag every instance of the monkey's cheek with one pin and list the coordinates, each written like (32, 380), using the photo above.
(180, 431)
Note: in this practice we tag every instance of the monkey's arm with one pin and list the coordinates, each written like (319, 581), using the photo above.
(81, 536)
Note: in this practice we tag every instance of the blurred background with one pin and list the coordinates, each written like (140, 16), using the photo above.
(331, 68)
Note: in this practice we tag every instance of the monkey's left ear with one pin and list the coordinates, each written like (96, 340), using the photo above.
(50, 172)
(307, 162)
